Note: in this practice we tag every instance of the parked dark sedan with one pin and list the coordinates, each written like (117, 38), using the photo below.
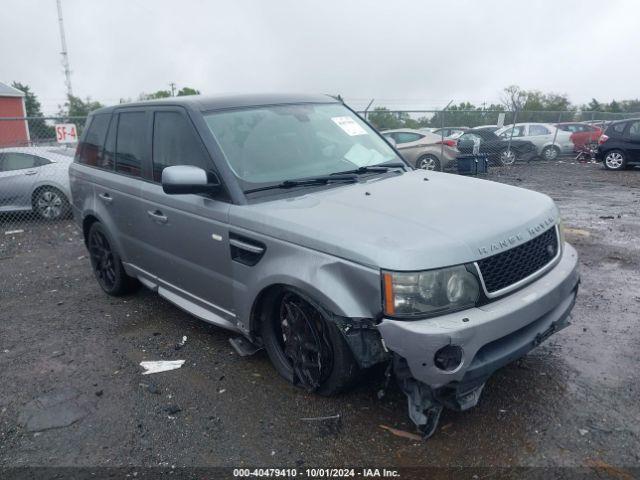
(499, 150)
(619, 146)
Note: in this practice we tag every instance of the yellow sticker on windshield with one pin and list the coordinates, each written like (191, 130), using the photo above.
(349, 125)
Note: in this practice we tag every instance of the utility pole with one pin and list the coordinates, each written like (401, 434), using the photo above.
(172, 85)
(65, 55)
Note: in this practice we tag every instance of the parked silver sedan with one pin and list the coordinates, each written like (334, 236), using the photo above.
(422, 149)
(36, 179)
(549, 140)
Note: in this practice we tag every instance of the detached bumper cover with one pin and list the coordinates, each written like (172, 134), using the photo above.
(492, 335)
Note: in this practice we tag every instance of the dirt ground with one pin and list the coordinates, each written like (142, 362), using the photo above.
(572, 401)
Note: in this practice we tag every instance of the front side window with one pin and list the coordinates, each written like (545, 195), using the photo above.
(518, 131)
(130, 143)
(175, 143)
(285, 142)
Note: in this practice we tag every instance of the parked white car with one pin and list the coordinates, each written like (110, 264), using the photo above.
(36, 179)
(549, 140)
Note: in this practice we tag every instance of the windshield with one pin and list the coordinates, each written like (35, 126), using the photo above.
(284, 142)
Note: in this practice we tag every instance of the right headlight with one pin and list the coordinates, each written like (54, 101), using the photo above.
(429, 292)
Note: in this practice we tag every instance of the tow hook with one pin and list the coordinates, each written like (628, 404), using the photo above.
(541, 337)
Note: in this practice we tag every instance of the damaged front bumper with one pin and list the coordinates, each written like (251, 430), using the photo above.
(489, 337)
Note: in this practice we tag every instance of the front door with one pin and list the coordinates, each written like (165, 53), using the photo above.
(186, 236)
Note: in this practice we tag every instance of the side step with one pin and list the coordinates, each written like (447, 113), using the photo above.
(244, 347)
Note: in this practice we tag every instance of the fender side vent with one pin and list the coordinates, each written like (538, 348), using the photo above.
(245, 250)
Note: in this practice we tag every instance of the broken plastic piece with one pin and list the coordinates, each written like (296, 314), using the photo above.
(244, 347)
(158, 366)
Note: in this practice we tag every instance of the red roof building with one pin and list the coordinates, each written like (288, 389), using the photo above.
(12, 132)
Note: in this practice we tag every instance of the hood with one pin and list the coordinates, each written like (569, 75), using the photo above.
(405, 222)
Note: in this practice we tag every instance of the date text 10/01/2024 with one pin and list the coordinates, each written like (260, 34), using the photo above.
(317, 472)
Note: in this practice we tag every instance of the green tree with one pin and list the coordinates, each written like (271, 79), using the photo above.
(383, 119)
(594, 106)
(76, 107)
(155, 95)
(184, 91)
(38, 128)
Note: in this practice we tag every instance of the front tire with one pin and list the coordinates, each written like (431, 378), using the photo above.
(50, 204)
(550, 153)
(106, 263)
(615, 160)
(304, 346)
(428, 162)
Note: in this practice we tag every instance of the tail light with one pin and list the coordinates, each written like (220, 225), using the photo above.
(448, 142)
(603, 138)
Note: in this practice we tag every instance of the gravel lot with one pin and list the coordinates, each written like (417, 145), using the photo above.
(573, 401)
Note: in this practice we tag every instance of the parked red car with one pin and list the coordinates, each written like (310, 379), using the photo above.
(581, 133)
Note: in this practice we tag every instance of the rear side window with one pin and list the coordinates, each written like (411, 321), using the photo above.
(11, 161)
(90, 150)
(616, 129)
(407, 137)
(538, 130)
(130, 143)
(175, 142)
(634, 131)
(109, 154)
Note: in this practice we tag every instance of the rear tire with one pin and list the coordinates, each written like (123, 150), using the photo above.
(550, 153)
(50, 204)
(429, 162)
(507, 157)
(615, 160)
(304, 346)
(106, 263)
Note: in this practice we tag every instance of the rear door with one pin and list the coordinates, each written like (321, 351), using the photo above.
(633, 134)
(187, 236)
(18, 173)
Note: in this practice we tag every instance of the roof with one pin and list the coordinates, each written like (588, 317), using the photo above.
(220, 102)
(409, 130)
(7, 91)
(53, 153)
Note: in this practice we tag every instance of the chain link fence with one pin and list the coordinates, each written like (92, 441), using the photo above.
(35, 154)
(437, 139)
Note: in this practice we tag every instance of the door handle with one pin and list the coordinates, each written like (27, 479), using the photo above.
(157, 216)
(30, 172)
(106, 198)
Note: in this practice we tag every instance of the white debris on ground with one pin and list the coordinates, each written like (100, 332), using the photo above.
(158, 366)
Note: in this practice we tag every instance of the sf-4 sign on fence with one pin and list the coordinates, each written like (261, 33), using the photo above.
(66, 133)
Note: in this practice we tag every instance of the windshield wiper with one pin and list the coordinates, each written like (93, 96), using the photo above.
(303, 182)
(373, 168)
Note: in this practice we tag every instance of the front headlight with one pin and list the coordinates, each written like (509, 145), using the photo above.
(429, 293)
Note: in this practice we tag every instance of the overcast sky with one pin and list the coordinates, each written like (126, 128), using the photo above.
(405, 54)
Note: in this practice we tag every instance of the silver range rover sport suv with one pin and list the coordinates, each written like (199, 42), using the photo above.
(291, 221)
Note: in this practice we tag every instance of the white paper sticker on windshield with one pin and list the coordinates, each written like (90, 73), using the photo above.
(349, 125)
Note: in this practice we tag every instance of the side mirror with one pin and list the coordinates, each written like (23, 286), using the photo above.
(183, 179)
(392, 141)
